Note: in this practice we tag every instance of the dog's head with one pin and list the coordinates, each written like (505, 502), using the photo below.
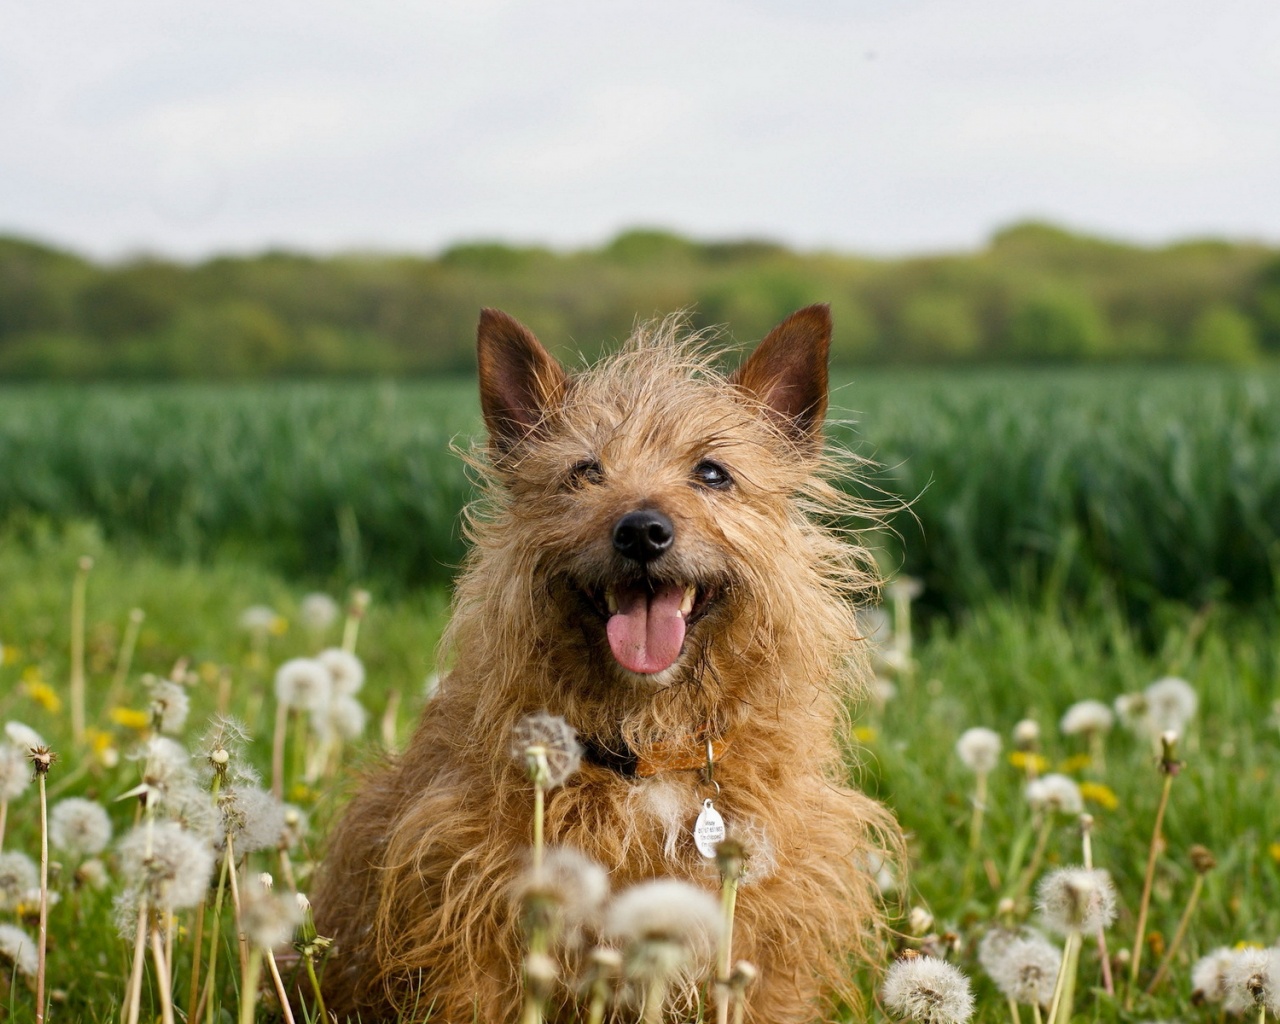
(654, 511)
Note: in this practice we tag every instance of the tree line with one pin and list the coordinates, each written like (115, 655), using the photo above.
(1034, 293)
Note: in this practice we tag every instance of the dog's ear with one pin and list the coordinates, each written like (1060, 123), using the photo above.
(787, 373)
(519, 379)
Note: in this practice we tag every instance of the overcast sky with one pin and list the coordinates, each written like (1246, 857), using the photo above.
(189, 127)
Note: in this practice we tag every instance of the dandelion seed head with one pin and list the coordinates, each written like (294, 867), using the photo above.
(170, 705)
(1252, 979)
(1085, 717)
(295, 827)
(1026, 734)
(92, 874)
(556, 737)
(1171, 704)
(18, 875)
(345, 716)
(17, 950)
(252, 817)
(666, 913)
(124, 912)
(1077, 900)
(303, 684)
(318, 611)
(1209, 975)
(79, 827)
(928, 990)
(574, 885)
(979, 749)
(345, 669)
(15, 774)
(258, 618)
(23, 737)
(266, 919)
(175, 875)
(1028, 970)
(1055, 794)
(904, 588)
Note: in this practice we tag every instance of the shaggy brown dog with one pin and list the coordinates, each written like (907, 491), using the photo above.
(653, 562)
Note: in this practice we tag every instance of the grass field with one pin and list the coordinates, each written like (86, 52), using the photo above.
(1176, 485)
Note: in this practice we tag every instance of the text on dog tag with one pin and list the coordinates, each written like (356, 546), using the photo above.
(708, 830)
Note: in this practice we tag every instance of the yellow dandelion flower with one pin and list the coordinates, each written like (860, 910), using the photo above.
(865, 734)
(279, 626)
(130, 718)
(1097, 793)
(1274, 850)
(301, 793)
(1022, 759)
(1075, 763)
(42, 693)
(208, 672)
(9, 654)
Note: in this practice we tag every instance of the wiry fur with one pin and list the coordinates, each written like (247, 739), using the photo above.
(416, 886)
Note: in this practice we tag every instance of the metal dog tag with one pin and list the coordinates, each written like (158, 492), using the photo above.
(708, 830)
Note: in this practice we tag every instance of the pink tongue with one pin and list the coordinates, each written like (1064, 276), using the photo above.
(646, 633)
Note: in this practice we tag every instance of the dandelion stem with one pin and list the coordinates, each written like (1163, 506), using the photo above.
(133, 1004)
(162, 977)
(197, 947)
(1152, 853)
(1183, 923)
(1035, 1013)
(1064, 968)
(42, 940)
(216, 935)
(1086, 843)
(975, 829)
(728, 901)
(1013, 1010)
(277, 749)
(79, 589)
(4, 817)
(1037, 856)
(249, 986)
(315, 987)
(124, 660)
(655, 996)
(281, 994)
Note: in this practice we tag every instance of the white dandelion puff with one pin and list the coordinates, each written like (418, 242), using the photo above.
(1026, 734)
(23, 737)
(558, 741)
(664, 925)
(258, 619)
(1253, 979)
(1087, 717)
(17, 950)
(79, 827)
(1028, 970)
(266, 919)
(928, 990)
(1209, 975)
(15, 773)
(170, 705)
(979, 749)
(1077, 900)
(345, 669)
(318, 612)
(92, 874)
(18, 876)
(573, 885)
(253, 818)
(175, 872)
(344, 716)
(1171, 704)
(1055, 794)
(303, 684)
(295, 827)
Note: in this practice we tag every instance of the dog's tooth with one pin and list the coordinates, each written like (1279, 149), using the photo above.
(690, 593)
(611, 600)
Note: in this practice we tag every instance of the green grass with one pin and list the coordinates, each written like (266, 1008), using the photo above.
(1164, 484)
(1000, 661)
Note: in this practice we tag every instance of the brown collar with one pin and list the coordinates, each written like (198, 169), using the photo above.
(666, 756)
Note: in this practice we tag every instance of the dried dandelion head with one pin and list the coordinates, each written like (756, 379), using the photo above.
(1055, 794)
(1077, 900)
(17, 951)
(548, 746)
(1026, 734)
(222, 748)
(928, 990)
(318, 612)
(79, 827)
(979, 749)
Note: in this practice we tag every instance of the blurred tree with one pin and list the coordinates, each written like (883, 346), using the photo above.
(1223, 334)
(1056, 324)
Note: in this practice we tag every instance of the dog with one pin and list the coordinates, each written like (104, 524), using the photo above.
(657, 557)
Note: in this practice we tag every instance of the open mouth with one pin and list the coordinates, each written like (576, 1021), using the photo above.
(646, 621)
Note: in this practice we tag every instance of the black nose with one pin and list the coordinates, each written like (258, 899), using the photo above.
(644, 535)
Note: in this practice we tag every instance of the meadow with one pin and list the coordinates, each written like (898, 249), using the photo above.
(1078, 537)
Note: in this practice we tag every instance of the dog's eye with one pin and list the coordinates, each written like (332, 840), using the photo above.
(588, 471)
(712, 474)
